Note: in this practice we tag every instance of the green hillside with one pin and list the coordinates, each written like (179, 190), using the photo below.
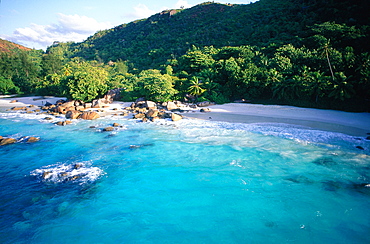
(311, 53)
(150, 42)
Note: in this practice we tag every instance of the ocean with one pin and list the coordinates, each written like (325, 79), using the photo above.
(191, 181)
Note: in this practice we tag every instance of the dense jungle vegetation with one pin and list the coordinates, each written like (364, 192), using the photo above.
(307, 53)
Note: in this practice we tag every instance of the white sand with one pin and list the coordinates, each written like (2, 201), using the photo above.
(357, 124)
(359, 120)
(5, 101)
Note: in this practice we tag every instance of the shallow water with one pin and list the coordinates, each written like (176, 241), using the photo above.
(185, 182)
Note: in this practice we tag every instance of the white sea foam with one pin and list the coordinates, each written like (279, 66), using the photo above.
(211, 130)
(78, 172)
(18, 116)
(202, 130)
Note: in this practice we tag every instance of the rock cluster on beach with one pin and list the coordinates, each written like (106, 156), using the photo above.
(141, 109)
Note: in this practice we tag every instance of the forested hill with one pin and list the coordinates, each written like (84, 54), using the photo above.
(150, 42)
(312, 53)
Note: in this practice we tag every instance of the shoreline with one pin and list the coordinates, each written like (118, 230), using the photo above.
(354, 124)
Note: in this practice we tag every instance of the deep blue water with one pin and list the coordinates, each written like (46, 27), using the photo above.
(190, 181)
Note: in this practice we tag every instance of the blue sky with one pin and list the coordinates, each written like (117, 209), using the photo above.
(38, 23)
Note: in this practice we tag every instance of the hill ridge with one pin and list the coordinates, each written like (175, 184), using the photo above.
(170, 33)
(8, 46)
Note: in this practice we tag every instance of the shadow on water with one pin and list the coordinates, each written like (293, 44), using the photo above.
(325, 161)
(21, 214)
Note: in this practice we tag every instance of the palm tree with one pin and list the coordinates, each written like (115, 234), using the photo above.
(326, 50)
(317, 84)
(287, 89)
(342, 89)
(195, 87)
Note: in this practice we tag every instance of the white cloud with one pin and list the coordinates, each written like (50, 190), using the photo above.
(80, 24)
(69, 28)
(182, 3)
(141, 11)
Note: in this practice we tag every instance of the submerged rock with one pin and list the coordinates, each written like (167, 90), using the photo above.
(299, 179)
(140, 146)
(331, 185)
(325, 161)
(78, 172)
(46, 175)
(78, 165)
(110, 128)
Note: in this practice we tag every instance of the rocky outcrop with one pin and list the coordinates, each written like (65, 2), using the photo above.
(113, 95)
(73, 114)
(141, 109)
(99, 103)
(139, 116)
(152, 113)
(205, 110)
(18, 108)
(171, 106)
(143, 104)
(32, 139)
(64, 123)
(91, 115)
(109, 128)
(150, 105)
(7, 141)
(176, 117)
(205, 104)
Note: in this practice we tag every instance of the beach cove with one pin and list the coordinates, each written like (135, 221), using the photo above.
(242, 173)
(356, 124)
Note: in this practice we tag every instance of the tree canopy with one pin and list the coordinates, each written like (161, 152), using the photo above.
(298, 52)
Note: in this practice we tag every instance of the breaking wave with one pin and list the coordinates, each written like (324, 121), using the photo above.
(78, 172)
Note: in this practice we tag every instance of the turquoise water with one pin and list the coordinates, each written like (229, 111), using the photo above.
(185, 182)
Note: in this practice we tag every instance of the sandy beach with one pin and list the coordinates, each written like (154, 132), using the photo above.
(356, 124)
(6, 101)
